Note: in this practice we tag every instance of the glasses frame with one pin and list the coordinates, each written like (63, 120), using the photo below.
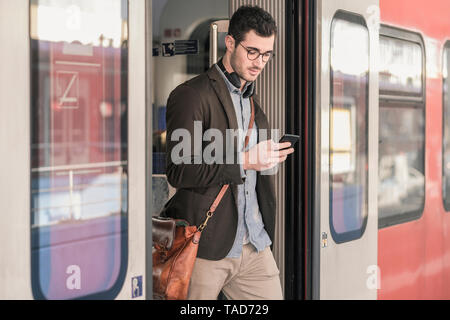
(272, 54)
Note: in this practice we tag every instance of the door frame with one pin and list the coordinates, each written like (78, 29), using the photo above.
(300, 115)
(15, 221)
(345, 270)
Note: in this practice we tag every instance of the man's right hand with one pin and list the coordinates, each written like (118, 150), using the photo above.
(266, 155)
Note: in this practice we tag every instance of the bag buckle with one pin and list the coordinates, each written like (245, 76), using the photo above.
(205, 223)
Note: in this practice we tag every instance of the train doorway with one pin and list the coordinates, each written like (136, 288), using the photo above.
(180, 51)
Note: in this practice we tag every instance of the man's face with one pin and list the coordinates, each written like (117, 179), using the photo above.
(247, 69)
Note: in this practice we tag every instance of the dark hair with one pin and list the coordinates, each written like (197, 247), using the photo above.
(248, 18)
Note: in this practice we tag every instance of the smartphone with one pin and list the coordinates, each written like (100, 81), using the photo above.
(292, 138)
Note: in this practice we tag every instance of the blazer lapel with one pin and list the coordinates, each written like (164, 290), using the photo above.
(223, 94)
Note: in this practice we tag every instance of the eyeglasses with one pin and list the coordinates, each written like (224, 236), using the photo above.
(253, 54)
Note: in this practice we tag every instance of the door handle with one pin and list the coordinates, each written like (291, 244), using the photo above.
(215, 28)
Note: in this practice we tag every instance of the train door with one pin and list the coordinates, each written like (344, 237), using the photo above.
(347, 121)
(184, 46)
(74, 227)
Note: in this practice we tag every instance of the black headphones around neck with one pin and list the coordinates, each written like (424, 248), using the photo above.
(235, 80)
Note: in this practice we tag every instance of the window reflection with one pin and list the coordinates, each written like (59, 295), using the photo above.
(400, 66)
(76, 195)
(342, 142)
(79, 154)
(78, 21)
(350, 48)
(401, 167)
(401, 161)
(348, 127)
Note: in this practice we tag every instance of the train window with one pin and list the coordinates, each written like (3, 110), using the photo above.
(446, 125)
(401, 167)
(348, 127)
(79, 155)
(400, 67)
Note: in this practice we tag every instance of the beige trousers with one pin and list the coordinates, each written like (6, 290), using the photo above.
(253, 276)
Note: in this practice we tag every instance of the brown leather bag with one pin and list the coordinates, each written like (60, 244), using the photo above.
(172, 266)
(175, 246)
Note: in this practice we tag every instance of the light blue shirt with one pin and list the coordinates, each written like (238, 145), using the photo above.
(250, 228)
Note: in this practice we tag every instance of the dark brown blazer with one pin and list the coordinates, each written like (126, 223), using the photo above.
(206, 98)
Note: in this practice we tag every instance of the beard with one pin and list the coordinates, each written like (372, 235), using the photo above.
(236, 67)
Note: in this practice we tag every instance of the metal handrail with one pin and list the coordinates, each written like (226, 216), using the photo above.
(215, 28)
(72, 168)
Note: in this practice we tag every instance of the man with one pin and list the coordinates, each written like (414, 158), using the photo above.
(234, 252)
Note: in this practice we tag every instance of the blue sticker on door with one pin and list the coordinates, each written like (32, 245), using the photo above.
(136, 287)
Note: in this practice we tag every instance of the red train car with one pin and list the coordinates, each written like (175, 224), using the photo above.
(414, 237)
(376, 188)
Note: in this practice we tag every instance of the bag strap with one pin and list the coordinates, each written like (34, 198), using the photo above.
(251, 124)
(224, 189)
